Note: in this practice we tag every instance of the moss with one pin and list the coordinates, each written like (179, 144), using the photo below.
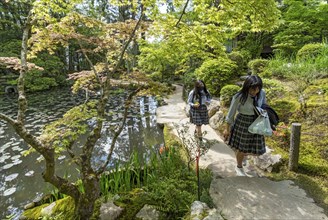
(131, 202)
(285, 108)
(34, 213)
(63, 210)
(96, 210)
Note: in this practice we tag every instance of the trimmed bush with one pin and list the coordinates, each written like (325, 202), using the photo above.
(216, 73)
(257, 66)
(238, 58)
(226, 94)
(309, 51)
(273, 89)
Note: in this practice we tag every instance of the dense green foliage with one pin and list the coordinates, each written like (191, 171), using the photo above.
(257, 65)
(216, 72)
(239, 60)
(310, 51)
(303, 23)
(226, 94)
(211, 40)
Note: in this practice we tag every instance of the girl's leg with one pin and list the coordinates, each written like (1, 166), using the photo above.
(199, 130)
(240, 156)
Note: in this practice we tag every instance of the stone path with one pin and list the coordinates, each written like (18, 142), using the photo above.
(242, 197)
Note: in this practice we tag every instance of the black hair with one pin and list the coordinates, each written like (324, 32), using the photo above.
(198, 89)
(252, 81)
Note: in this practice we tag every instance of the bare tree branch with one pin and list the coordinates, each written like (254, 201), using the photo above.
(76, 160)
(96, 133)
(47, 152)
(90, 63)
(182, 13)
(119, 130)
(7, 119)
(22, 102)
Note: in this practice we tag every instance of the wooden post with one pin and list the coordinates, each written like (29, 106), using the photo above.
(295, 138)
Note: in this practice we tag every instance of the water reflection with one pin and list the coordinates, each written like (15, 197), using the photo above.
(20, 176)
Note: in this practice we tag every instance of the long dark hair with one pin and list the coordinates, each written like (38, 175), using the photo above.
(252, 81)
(197, 90)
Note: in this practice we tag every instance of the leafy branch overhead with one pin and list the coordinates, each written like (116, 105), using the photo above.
(94, 36)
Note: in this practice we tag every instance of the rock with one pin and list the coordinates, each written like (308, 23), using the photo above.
(109, 211)
(200, 209)
(148, 213)
(217, 120)
(268, 161)
(47, 211)
(29, 205)
(197, 209)
(213, 214)
(213, 107)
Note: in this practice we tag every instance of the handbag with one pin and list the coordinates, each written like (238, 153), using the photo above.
(261, 125)
(273, 116)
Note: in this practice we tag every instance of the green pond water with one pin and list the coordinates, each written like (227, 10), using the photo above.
(20, 176)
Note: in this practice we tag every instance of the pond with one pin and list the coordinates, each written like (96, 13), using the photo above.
(20, 176)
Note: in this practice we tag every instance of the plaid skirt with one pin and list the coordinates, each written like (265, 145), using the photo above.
(240, 139)
(199, 116)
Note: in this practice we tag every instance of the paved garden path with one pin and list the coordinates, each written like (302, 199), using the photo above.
(242, 197)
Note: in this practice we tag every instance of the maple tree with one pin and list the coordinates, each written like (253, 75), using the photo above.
(199, 31)
(107, 44)
(196, 32)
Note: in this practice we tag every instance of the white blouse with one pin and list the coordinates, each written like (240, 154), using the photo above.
(205, 99)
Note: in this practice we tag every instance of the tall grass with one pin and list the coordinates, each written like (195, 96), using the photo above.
(304, 69)
(133, 174)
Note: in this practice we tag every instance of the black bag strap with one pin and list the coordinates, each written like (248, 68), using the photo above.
(256, 111)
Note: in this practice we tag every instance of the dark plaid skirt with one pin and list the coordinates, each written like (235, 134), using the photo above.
(240, 139)
(199, 116)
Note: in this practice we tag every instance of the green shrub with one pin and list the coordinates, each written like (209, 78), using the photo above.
(285, 108)
(257, 66)
(247, 56)
(189, 81)
(226, 94)
(35, 81)
(172, 196)
(273, 89)
(156, 76)
(53, 67)
(238, 58)
(322, 84)
(266, 74)
(11, 48)
(216, 73)
(309, 51)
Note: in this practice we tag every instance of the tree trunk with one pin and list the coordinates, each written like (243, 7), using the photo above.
(84, 205)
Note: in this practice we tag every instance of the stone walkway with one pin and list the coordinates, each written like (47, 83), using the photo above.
(242, 197)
